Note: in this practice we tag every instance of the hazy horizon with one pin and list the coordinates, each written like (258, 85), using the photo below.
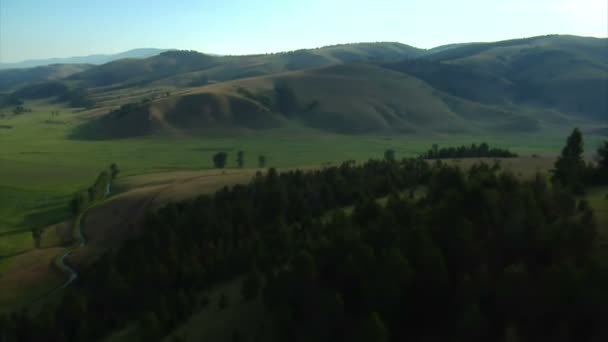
(69, 28)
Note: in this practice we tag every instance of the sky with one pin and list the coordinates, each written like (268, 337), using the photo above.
(33, 29)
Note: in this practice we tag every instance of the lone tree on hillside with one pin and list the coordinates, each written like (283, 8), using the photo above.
(219, 159)
(570, 166)
(262, 161)
(240, 159)
(389, 155)
(114, 171)
(37, 236)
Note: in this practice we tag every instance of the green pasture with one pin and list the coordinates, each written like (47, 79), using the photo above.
(40, 167)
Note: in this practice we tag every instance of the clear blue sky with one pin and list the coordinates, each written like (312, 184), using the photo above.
(60, 28)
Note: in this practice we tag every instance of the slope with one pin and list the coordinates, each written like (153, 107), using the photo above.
(564, 73)
(91, 59)
(189, 68)
(16, 78)
(348, 99)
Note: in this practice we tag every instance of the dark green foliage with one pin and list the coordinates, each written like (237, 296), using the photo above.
(42, 90)
(389, 155)
(482, 256)
(219, 160)
(602, 154)
(223, 302)
(10, 100)
(251, 285)
(98, 191)
(236, 337)
(474, 151)
(150, 328)
(100, 188)
(21, 110)
(287, 101)
(114, 171)
(374, 329)
(79, 202)
(240, 159)
(262, 161)
(570, 166)
(37, 236)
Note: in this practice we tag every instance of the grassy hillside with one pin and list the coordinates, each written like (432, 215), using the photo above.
(346, 99)
(91, 59)
(565, 73)
(14, 78)
(187, 68)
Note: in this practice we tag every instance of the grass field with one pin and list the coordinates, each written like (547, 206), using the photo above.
(40, 168)
(28, 276)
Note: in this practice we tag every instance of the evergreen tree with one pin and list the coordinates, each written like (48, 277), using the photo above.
(570, 165)
(374, 329)
(251, 285)
(602, 153)
(219, 160)
(114, 171)
(150, 328)
(240, 159)
(389, 155)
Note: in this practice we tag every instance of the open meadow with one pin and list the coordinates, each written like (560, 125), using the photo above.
(41, 167)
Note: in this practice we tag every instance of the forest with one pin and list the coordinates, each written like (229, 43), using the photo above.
(482, 150)
(448, 255)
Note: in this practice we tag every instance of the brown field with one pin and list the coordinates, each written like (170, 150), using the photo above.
(28, 276)
(120, 217)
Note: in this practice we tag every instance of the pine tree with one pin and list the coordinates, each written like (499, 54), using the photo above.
(570, 166)
(240, 159)
(374, 329)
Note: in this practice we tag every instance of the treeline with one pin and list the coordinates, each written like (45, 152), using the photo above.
(571, 170)
(189, 246)
(480, 256)
(483, 257)
(473, 151)
(99, 190)
(221, 158)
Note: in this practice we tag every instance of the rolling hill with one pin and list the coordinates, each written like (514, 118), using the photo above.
(564, 73)
(15, 78)
(188, 68)
(522, 85)
(91, 59)
(345, 99)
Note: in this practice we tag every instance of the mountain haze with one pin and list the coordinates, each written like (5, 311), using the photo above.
(91, 59)
(518, 86)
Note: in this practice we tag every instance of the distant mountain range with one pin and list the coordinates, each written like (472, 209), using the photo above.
(538, 84)
(92, 59)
